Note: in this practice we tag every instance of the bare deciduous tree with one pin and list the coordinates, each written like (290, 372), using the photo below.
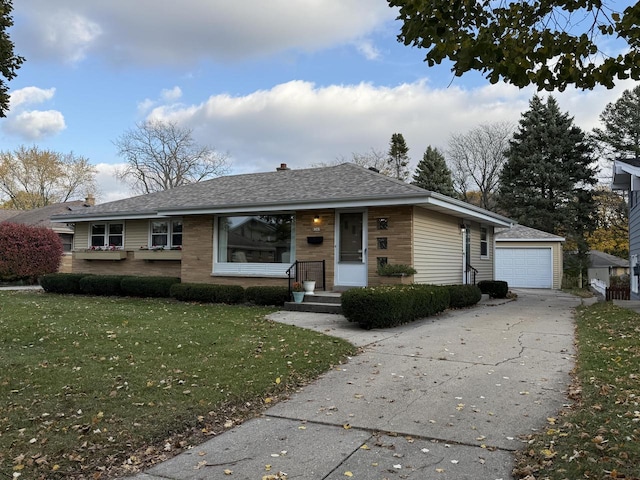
(34, 178)
(375, 159)
(476, 159)
(161, 155)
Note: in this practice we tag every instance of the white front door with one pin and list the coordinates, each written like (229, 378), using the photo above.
(351, 249)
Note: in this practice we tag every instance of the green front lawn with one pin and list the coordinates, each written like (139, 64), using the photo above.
(599, 437)
(93, 386)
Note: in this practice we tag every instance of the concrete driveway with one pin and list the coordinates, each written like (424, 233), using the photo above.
(447, 397)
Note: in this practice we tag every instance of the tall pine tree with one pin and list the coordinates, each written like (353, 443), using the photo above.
(547, 180)
(620, 136)
(433, 174)
(398, 157)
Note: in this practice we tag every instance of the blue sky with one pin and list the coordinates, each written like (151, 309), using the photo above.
(266, 82)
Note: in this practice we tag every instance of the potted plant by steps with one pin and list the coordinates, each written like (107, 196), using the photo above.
(396, 274)
(298, 292)
(309, 286)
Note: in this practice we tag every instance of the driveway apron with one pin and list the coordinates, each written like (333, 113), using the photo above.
(448, 397)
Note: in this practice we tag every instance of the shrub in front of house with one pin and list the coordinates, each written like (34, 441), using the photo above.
(148, 286)
(463, 296)
(390, 270)
(62, 282)
(267, 295)
(104, 285)
(28, 252)
(207, 293)
(494, 288)
(389, 306)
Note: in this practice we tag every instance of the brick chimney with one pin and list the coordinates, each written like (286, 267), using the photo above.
(90, 201)
(282, 168)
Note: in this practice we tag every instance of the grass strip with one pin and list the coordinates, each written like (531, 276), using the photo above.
(599, 436)
(94, 386)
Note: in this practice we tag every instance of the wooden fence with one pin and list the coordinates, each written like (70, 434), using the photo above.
(618, 293)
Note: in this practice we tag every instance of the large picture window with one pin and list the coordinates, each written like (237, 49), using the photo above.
(107, 235)
(256, 239)
(166, 233)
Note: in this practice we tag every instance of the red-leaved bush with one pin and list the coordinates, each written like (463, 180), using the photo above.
(28, 252)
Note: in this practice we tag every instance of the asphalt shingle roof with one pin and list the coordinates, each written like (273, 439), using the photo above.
(520, 232)
(41, 217)
(602, 259)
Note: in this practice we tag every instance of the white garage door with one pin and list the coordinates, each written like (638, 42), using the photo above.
(525, 267)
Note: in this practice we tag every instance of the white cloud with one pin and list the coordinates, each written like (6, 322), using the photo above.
(299, 123)
(30, 95)
(147, 32)
(368, 49)
(35, 124)
(109, 188)
(171, 95)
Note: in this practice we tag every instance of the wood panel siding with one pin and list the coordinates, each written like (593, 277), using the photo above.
(325, 228)
(398, 237)
(437, 248)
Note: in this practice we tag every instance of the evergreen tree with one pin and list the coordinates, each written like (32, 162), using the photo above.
(433, 174)
(547, 180)
(398, 157)
(621, 119)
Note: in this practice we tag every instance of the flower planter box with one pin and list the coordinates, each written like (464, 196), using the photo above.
(395, 280)
(158, 255)
(101, 255)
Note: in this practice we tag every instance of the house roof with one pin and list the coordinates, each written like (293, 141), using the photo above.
(341, 186)
(6, 214)
(601, 259)
(41, 217)
(623, 170)
(520, 233)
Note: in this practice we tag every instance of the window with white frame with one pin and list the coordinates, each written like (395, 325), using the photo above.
(107, 235)
(165, 234)
(484, 242)
(258, 239)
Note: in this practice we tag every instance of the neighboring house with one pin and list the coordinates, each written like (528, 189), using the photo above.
(603, 266)
(249, 229)
(626, 177)
(6, 214)
(41, 217)
(529, 258)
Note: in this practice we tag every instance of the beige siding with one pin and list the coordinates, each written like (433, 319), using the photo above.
(484, 265)
(136, 234)
(437, 244)
(556, 256)
(81, 236)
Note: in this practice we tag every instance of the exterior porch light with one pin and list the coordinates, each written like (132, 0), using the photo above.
(463, 227)
(316, 219)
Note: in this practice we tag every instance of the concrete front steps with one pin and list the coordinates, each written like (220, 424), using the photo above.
(319, 302)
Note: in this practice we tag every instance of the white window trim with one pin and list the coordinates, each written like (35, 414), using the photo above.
(234, 269)
(169, 221)
(488, 255)
(106, 234)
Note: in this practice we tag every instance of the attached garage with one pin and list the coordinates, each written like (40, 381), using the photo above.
(528, 258)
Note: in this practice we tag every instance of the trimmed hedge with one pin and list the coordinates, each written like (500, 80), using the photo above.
(148, 286)
(494, 288)
(62, 282)
(208, 293)
(389, 306)
(463, 296)
(267, 295)
(105, 285)
(27, 252)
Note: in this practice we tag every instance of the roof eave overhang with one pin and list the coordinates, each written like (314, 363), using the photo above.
(557, 239)
(104, 217)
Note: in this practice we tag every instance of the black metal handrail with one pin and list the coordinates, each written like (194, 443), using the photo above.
(314, 270)
(470, 275)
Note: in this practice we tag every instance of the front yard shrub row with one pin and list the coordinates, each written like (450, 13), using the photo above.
(494, 288)
(388, 306)
(163, 287)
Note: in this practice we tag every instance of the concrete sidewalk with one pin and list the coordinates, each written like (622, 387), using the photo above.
(447, 397)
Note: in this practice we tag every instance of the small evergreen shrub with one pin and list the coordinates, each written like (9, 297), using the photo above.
(267, 295)
(463, 296)
(207, 293)
(62, 282)
(103, 285)
(389, 306)
(148, 286)
(28, 252)
(494, 288)
(390, 270)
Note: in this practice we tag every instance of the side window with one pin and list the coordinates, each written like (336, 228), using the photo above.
(165, 234)
(634, 277)
(107, 235)
(484, 242)
(159, 234)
